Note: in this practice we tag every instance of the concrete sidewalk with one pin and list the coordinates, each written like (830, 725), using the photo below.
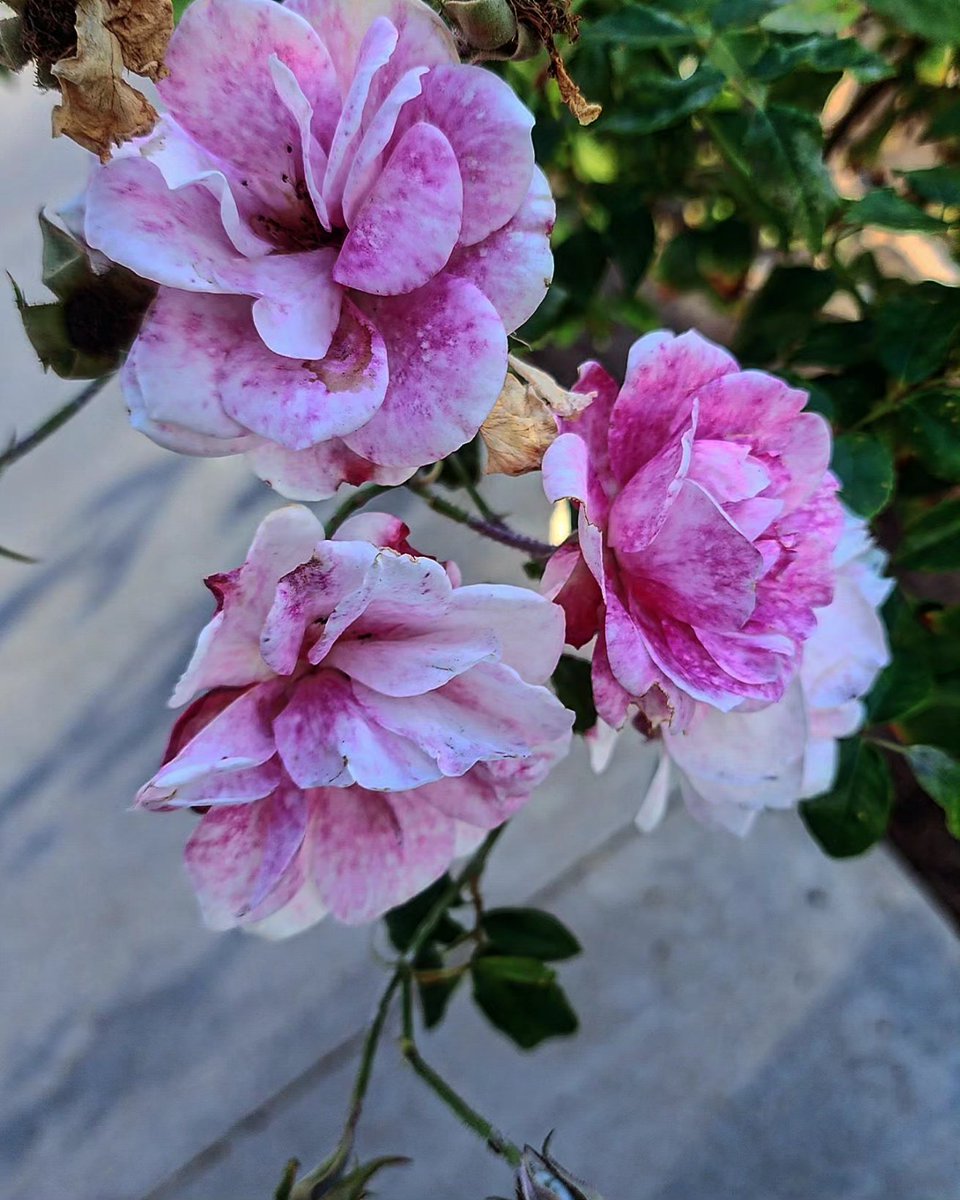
(758, 1022)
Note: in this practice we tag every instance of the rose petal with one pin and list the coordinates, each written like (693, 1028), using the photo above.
(315, 474)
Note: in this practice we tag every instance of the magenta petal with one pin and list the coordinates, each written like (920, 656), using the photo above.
(643, 506)
(570, 583)
(409, 224)
(380, 528)
(220, 88)
(433, 404)
(611, 698)
(699, 568)
(664, 377)
(513, 266)
(297, 404)
(679, 653)
(315, 474)
(489, 129)
(228, 649)
(626, 647)
(369, 852)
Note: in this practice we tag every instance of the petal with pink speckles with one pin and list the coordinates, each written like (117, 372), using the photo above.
(315, 474)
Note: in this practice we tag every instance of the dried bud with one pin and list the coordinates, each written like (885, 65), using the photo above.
(541, 1178)
(523, 423)
(483, 24)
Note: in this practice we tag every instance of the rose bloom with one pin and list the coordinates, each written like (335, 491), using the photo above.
(362, 720)
(707, 525)
(730, 766)
(345, 222)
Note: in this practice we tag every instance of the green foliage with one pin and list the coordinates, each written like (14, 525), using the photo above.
(521, 997)
(865, 467)
(530, 933)
(939, 776)
(571, 681)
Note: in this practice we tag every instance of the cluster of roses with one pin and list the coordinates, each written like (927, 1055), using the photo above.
(345, 223)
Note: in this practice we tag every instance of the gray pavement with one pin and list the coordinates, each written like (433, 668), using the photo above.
(758, 1023)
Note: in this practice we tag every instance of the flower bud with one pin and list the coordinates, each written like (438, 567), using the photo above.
(541, 1178)
(483, 24)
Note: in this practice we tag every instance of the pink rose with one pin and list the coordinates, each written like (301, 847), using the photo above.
(361, 720)
(707, 524)
(730, 766)
(345, 223)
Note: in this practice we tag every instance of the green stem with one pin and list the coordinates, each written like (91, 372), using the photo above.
(360, 499)
(468, 485)
(495, 530)
(52, 424)
(452, 1099)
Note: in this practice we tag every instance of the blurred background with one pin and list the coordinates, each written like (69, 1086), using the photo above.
(757, 1019)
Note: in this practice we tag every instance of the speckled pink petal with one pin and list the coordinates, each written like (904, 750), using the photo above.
(411, 665)
(528, 629)
(405, 593)
(513, 266)
(221, 91)
(727, 471)
(236, 856)
(405, 231)
(228, 649)
(315, 474)
(485, 714)
(473, 798)
(699, 568)
(219, 788)
(641, 509)
(677, 651)
(489, 129)
(378, 45)
(380, 528)
(569, 582)
(370, 852)
(328, 589)
(298, 403)
(299, 304)
(611, 698)
(566, 469)
(312, 127)
(753, 658)
(748, 402)
(664, 377)
(626, 647)
(447, 353)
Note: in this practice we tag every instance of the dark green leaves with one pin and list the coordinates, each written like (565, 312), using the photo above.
(938, 20)
(782, 313)
(638, 28)
(866, 470)
(884, 208)
(521, 998)
(657, 101)
(936, 185)
(939, 776)
(853, 816)
(530, 933)
(571, 681)
(404, 921)
(931, 424)
(917, 329)
(932, 541)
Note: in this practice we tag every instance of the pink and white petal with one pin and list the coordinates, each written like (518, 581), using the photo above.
(237, 855)
(311, 126)
(307, 736)
(315, 474)
(527, 628)
(611, 698)
(820, 765)
(294, 905)
(472, 798)
(736, 818)
(754, 517)
(407, 595)
(228, 649)
(847, 650)
(750, 403)
(664, 377)
(678, 652)
(220, 90)
(489, 129)
(409, 224)
(379, 43)
(699, 567)
(411, 665)
(570, 583)
(642, 508)
(238, 738)
(805, 451)
(423, 38)
(513, 266)
(516, 778)
(601, 741)
(566, 469)
(631, 664)
(487, 713)
(753, 658)
(298, 309)
(653, 806)
(368, 161)
(727, 471)
(314, 593)
(245, 786)
(182, 160)
(299, 403)
(176, 238)
(370, 852)
(592, 424)
(381, 529)
(447, 354)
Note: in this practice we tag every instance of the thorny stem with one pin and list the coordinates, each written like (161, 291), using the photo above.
(360, 499)
(458, 1106)
(52, 424)
(401, 976)
(495, 530)
(483, 508)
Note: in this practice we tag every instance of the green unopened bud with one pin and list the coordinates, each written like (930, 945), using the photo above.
(483, 24)
(541, 1178)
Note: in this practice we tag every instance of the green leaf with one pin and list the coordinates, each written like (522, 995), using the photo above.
(930, 423)
(733, 14)
(853, 816)
(529, 933)
(435, 994)
(785, 146)
(521, 998)
(782, 313)
(630, 236)
(916, 330)
(835, 343)
(658, 101)
(638, 29)
(939, 776)
(65, 263)
(884, 208)
(572, 683)
(403, 921)
(825, 55)
(937, 20)
(813, 16)
(932, 541)
(937, 185)
(903, 688)
(866, 470)
(179, 8)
